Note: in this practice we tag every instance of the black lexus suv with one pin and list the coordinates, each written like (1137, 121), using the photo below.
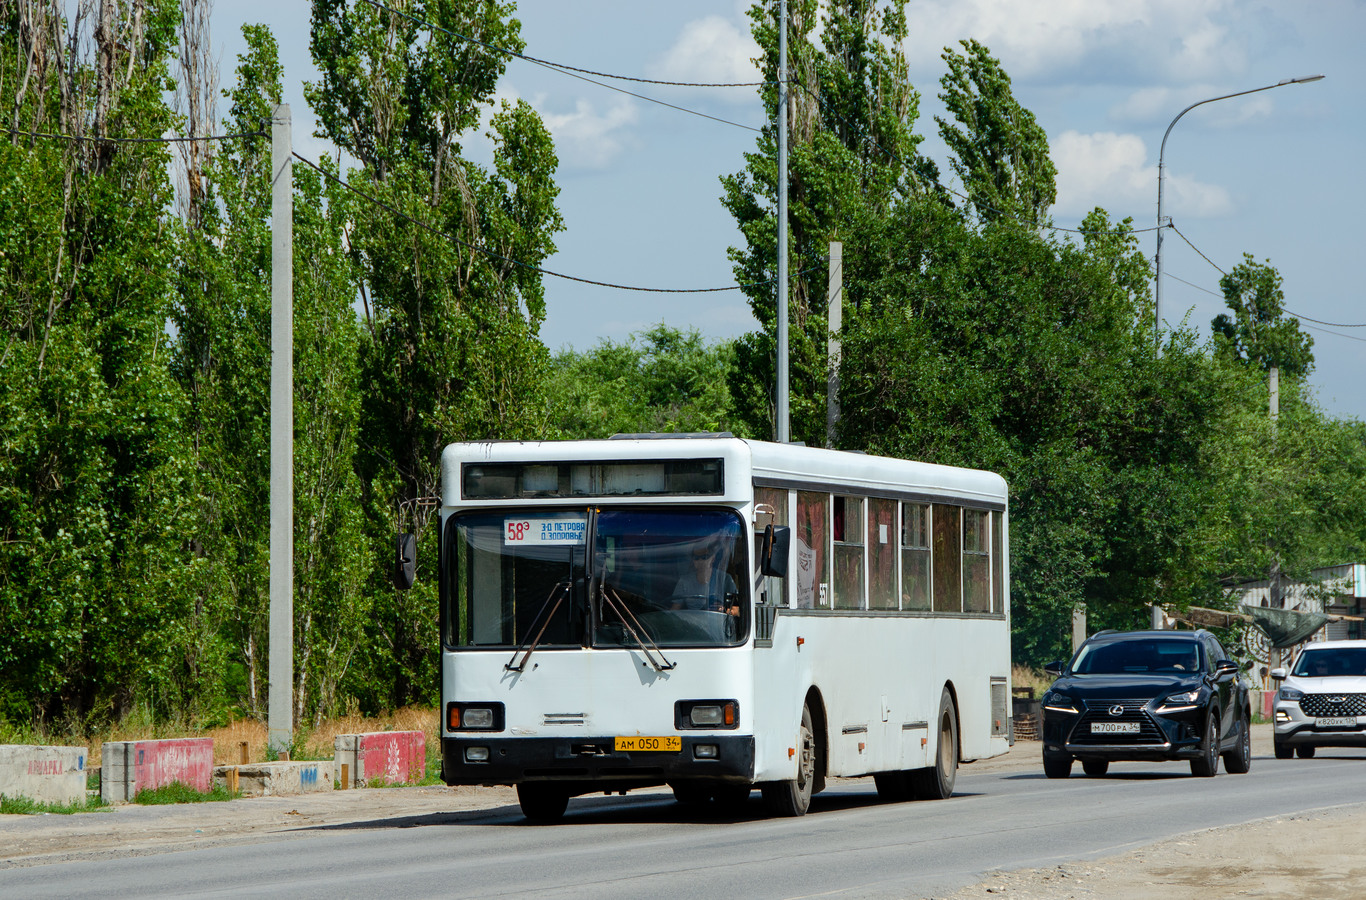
(1147, 695)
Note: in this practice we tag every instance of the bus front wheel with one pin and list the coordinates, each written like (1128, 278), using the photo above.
(936, 782)
(541, 802)
(793, 798)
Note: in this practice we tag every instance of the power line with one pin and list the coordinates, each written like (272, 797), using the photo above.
(573, 72)
(1330, 324)
(492, 255)
(120, 140)
(561, 66)
(1173, 227)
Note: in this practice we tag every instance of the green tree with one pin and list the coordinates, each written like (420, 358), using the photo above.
(1000, 152)
(97, 490)
(1260, 334)
(662, 379)
(852, 156)
(447, 270)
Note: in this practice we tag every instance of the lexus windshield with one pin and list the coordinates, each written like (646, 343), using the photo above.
(1135, 657)
(616, 578)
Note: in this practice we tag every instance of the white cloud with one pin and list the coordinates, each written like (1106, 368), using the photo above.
(1112, 171)
(589, 139)
(712, 50)
(1176, 40)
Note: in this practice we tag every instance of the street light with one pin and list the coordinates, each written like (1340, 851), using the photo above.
(1157, 296)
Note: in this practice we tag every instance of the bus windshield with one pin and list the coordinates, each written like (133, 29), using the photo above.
(671, 578)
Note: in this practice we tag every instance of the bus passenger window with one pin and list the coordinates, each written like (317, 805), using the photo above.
(998, 562)
(948, 559)
(810, 536)
(976, 561)
(915, 556)
(848, 555)
(882, 554)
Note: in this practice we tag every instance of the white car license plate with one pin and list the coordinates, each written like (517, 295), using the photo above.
(1115, 727)
(1336, 722)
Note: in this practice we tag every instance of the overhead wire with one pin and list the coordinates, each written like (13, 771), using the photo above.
(582, 74)
(501, 258)
(122, 140)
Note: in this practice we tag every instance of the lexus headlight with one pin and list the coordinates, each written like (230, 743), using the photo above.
(1188, 698)
(1058, 702)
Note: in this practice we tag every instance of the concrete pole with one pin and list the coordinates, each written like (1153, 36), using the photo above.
(834, 295)
(1078, 626)
(783, 427)
(281, 701)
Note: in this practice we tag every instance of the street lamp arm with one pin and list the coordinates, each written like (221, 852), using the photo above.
(1161, 165)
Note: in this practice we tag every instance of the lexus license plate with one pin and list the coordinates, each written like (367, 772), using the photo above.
(1336, 722)
(1114, 728)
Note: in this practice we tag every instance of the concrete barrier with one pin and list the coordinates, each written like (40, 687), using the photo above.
(277, 778)
(393, 757)
(131, 766)
(44, 774)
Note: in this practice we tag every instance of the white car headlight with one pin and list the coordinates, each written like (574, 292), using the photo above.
(1291, 694)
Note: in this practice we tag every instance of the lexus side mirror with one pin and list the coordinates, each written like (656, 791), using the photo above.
(1055, 668)
(405, 561)
(1225, 668)
(773, 552)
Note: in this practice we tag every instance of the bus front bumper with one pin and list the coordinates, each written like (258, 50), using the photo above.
(593, 761)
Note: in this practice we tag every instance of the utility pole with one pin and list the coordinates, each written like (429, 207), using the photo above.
(280, 709)
(783, 428)
(834, 294)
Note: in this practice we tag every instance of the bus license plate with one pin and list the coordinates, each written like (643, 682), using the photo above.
(641, 744)
(1114, 728)
(1336, 722)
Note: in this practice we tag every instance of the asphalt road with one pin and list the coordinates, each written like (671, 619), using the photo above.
(646, 846)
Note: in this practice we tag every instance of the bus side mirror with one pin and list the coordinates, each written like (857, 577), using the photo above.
(405, 561)
(773, 552)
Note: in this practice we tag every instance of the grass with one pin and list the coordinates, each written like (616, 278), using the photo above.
(175, 792)
(1023, 676)
(23, 806)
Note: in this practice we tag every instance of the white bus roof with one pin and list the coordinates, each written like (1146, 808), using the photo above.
(762, 461)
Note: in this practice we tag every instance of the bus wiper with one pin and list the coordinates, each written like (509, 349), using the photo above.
(557, 593)
(635, 629)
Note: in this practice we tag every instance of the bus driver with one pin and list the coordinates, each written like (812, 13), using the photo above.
(705, 584)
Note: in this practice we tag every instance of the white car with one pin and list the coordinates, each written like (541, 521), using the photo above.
(1322, 699)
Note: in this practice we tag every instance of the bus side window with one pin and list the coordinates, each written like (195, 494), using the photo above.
(948, 558)
(770, 509)
(915, 556)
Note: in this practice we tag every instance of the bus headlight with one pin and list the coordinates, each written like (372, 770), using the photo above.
(474, 717)
(706, 714)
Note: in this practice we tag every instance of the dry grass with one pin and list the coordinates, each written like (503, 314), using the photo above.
(309, 744)
(1023, 676)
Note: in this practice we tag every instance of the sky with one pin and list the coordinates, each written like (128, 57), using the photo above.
(1276, 174)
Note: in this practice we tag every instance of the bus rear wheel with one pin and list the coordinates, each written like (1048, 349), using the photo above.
(541, 802)
(793, 798)
(936, 782)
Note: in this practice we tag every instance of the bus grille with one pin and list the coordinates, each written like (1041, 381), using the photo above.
(1099, 711)
(1321, 705)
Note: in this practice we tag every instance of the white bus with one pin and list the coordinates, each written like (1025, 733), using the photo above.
(717, 615)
